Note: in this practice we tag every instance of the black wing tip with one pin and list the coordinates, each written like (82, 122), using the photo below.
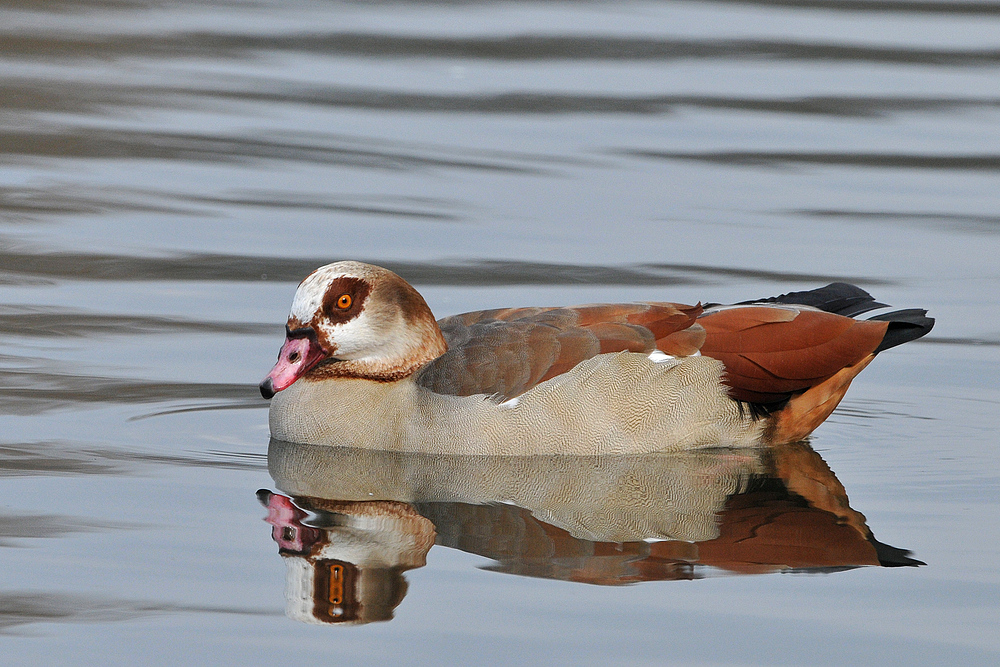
(837, 298)
(904, 326)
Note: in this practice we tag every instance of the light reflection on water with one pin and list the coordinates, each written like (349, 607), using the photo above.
(597, 520)
(170, 169)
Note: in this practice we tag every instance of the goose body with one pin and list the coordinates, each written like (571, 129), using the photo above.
(365, 364)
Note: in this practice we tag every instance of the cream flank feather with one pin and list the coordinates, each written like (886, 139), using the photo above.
(619, 403)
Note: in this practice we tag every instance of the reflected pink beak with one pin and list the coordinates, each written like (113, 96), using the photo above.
(289, 532)
(296, 357)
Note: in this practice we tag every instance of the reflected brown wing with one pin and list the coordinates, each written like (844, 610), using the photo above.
(764, 529)
(770, 353)
(506, 352)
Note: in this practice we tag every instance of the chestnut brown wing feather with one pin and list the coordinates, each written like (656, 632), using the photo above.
(772, 353)
(508, 351)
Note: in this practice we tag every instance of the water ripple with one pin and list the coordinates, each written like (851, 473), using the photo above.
(889, 7)
(958, 7)
(942, 221)
(23, 608)
(49, 458)
(32, 391)
(52, 322)
(19, 264)
(20, 204)
(104, 97)
(30, 204)
(110, 144)
(35, 526)
(962, 341)
(211, 45)
(984, 162)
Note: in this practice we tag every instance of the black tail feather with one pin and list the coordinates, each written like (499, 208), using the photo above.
(758, 411)
(889, 556)
(904, 326)
(838, 298)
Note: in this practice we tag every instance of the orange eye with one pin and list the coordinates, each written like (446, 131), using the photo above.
(344, 302)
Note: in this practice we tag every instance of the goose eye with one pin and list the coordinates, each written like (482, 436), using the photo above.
(344, 302)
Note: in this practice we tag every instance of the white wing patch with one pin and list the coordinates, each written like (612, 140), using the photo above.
(510, 402)
(658, 357)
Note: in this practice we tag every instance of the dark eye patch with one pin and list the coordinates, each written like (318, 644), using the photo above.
(356, 288)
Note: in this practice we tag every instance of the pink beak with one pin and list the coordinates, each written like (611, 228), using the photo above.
(295, 359)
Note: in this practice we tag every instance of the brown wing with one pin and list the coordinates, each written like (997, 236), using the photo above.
(771, 353)
(506, 352)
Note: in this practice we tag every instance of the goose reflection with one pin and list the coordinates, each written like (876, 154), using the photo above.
(355, 520)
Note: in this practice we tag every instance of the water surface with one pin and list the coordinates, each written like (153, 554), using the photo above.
(171, 169)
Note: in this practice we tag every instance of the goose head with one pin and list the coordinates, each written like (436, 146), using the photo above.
(354, 320)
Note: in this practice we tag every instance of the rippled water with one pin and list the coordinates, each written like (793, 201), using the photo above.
(171, 169)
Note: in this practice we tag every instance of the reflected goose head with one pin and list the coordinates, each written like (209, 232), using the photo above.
(350, 319)
(350, 571)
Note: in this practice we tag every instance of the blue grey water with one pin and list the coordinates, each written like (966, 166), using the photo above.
(169, 169)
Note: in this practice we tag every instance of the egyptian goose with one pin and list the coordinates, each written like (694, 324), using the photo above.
(365, 364)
